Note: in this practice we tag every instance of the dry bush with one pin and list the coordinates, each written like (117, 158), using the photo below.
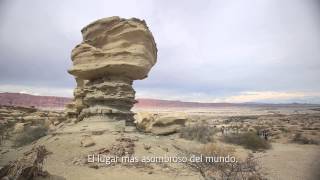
(198, 132)
(300, 139)
(5, 126)
(28, 167)
(284, 129)
(29, 135)
(232, 170)
(248, 140)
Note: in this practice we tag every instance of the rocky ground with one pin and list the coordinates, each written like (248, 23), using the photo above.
(291, 156)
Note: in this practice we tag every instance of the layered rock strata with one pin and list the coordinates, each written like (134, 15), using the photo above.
(74, 108)
(114, 52)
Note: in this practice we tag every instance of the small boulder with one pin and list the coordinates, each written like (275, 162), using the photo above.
(144, 121)
(146, 146)
(56, 123)
(168, 124)
(87, 141)
(160, 124)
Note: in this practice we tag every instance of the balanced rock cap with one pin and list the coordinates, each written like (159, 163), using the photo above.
(114, 46)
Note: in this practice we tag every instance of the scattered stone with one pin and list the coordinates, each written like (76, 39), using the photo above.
(135, 138)
(87, 141)
(165, 149)
(97, 132)
(56, 123)
(114, 132)
(146, 146)
(94, 166)
(123, 147)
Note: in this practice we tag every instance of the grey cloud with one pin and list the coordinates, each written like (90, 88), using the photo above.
(213, 47)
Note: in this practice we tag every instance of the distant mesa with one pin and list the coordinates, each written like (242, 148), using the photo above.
(27, 100)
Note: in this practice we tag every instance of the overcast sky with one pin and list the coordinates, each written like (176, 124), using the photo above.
(208, 50)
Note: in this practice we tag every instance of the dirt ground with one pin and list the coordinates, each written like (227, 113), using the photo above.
(283, 161)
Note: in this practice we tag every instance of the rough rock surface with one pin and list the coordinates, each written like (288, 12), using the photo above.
(78, 95)
(71, 112)
(30, 166)
(17, 119)
(74, 108)
(144, 121)
(114, 52)
(18, 127)
(160, 124)
(87, 141)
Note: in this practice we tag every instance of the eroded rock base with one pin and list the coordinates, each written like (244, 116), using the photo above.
(109, 98)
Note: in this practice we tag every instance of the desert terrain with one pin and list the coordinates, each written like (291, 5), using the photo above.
(294, 134)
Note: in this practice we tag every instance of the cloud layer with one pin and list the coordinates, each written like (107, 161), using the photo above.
(235, 51)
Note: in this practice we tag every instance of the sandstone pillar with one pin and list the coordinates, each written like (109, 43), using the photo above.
(114, 52)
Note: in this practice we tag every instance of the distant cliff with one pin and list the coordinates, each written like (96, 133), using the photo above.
(169, 103)
(27, 100)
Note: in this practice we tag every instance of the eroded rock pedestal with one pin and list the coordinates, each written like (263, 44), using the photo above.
(114, 52)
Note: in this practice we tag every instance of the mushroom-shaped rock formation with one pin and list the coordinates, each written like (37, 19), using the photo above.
(114, 52)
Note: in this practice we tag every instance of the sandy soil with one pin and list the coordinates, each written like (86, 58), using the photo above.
(284, 161)
(291, 161)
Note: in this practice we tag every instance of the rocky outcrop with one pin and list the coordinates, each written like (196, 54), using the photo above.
(29, 166)
(74, 108)
(17, 119)
(78, 96)
(71, 112)
(160, 124)
(114, 52)
(144, 121)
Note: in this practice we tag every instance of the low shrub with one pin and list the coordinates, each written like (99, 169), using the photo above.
(248, 140)
(300, 139)
(198, 132)
(224, 170)
(29, 135)
(283, 129)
